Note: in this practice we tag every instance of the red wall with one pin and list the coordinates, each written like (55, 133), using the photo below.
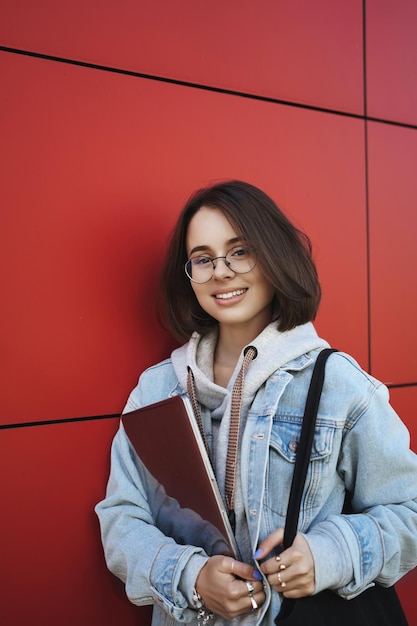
(111, 113)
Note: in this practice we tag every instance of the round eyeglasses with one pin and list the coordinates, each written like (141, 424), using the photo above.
(240, 259)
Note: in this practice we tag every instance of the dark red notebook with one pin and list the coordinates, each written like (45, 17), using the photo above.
(166, 438)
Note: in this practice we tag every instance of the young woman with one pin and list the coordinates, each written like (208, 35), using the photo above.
(241, 289)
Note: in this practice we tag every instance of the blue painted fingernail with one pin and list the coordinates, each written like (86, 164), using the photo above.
(257, 575)
(257, 554)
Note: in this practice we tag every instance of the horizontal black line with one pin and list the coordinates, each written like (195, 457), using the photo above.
(117, 415)
(400, 385)
(191, 85)
(59, 421)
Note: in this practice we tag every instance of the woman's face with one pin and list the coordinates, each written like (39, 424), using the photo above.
(234, 300)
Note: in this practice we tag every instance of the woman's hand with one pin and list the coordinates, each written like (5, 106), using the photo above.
(225, 585)
(292, 572)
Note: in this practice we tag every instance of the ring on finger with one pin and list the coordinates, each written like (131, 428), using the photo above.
(253, 603)
(282, 566)
(281, 582)
(250, 587)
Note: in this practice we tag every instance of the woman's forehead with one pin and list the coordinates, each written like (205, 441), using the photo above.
(210, 229)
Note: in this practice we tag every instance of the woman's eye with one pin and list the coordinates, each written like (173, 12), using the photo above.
(201, 260)
(239, 252)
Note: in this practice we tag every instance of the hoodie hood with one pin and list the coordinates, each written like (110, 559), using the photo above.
(275, 350)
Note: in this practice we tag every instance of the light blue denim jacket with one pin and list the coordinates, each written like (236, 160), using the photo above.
(360, 445)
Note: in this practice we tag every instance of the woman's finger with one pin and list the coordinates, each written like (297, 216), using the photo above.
(269, 544)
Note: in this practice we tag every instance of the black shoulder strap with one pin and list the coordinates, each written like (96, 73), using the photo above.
(304, 446)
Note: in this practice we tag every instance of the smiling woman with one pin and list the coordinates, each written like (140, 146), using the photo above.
(239, 298)
(283, 254)
(241, 288)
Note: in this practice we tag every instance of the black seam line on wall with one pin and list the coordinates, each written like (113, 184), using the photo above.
(367, 214)
(365, 93)
(91, 418)
(400, 385)
(70, 420)
(191, 85)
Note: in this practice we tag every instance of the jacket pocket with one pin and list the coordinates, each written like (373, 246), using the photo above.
(285, 436)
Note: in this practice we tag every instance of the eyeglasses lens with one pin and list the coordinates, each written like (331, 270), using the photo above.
(241, 259)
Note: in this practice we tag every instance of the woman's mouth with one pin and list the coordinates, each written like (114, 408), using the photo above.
(230, 294)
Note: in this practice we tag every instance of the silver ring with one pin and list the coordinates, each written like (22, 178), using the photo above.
(250, 587)
(253, 602)
(233, 566)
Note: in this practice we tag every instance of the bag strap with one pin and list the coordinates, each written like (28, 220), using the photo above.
(304, 447)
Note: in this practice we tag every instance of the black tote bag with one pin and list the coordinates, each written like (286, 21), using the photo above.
(377, 606)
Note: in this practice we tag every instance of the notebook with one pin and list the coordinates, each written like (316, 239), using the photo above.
(166, 438)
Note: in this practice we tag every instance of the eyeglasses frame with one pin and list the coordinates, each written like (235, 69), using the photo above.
(216, 258)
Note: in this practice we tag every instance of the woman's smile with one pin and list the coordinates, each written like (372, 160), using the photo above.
(229, 295)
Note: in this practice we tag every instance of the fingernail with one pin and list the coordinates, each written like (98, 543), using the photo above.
(257, 554)
(257, 575)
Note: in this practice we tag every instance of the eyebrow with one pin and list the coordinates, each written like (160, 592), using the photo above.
(207, 248)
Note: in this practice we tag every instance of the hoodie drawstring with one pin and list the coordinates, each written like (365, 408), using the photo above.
(234, 428)
(197, 414)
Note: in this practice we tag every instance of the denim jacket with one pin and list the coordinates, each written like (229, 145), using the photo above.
(360, 447)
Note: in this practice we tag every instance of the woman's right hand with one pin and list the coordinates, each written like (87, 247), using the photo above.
(225, 586)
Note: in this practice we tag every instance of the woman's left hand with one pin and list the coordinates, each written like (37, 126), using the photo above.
(292, 572)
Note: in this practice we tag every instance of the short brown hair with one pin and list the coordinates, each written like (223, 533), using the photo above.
(283, 252)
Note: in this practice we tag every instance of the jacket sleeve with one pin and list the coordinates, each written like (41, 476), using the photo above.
(154, 568)
(377, 540)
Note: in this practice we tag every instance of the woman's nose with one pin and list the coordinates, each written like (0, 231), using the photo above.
(221, 268)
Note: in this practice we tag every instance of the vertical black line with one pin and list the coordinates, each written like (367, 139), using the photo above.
(365, 102)
(368, 243)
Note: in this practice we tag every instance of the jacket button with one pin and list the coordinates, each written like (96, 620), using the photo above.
(293, 445)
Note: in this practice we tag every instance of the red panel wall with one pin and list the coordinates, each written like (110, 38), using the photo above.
(95, 165)
(99, 176)
(52, 567)
(392, 154)
(391, 54)
(298, 51)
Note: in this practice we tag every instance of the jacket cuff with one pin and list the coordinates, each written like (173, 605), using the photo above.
(348, 553)
(332, 559)
(189, 576)
(166, 572)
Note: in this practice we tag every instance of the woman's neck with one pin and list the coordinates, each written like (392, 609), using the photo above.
(230, 344)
